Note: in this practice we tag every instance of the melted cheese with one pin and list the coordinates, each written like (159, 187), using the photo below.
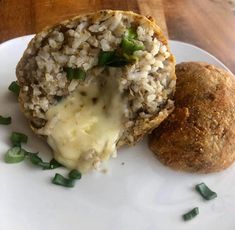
(83, 129)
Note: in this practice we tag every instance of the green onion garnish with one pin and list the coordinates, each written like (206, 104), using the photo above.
(75, 174)
(69, 71)
(131, 33)
(191, 214)
(110, 58)
(15, 155)
(124, 54)
(129, 46)
(105, 57)
(45, 165)
(60, 180)
(18, 138)
(36, 160)
(15, 88)
(55, 164)
(77, 73)
(5, 120)
(205, 192)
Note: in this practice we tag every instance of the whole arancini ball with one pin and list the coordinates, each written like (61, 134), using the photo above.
(199, 135)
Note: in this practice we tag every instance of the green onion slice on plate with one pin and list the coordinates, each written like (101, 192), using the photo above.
(18, 138)
(205, 192)
(60, 180)
(55, 164)
(36, 160)
(75, 174)
(15, 155)
(191, 214)
(14, 88)
(5, 120)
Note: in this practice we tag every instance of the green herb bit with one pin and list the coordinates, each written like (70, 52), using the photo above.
(5, 120)
(69, 73)
(77, 73)
(55, 164)
(18, 138)
(36, 160)
(191, 214)
(60, 180)
(15, 155)
(131, 33)
(14, 88)
(75, 174)
(129, 46)
(45, 165)
(110, 58)
(105, 57)
(205, 192)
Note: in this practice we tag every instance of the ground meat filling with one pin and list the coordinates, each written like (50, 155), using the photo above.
(112, 44)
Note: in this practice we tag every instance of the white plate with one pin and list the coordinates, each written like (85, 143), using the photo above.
(142, 194)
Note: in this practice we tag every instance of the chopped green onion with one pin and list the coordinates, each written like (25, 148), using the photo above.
(105, 57)
(131, 33)
(69, 71)
(44, 165)
(77, 73)
(36, 160)
(129, 46)
(15, 155)
(5, 120)
(191, 214)
(55, 164)
(75, 174)
(15, 88)
(18, 138)
(60, 180)
(205, 192)
(110, 58)
(123, 55)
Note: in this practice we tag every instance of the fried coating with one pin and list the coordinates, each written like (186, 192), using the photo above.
(199, 136)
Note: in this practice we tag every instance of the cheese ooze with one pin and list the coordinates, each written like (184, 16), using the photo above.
(83, 128)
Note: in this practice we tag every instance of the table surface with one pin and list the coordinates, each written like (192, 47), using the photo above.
(209, 24)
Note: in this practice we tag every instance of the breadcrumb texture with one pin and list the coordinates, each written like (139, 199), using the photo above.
(199, 136)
